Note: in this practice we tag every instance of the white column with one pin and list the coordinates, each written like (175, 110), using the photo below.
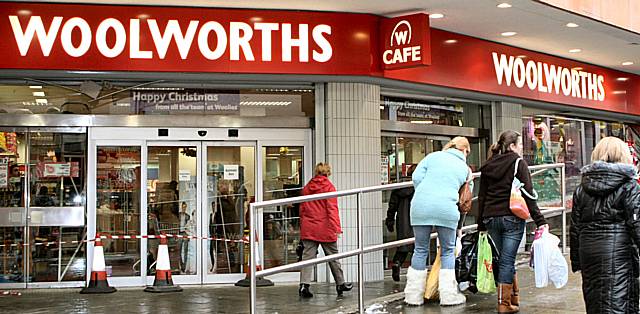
(352, 121)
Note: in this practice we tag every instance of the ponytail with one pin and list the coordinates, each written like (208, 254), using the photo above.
(505, 140)
(459, 143)
(494, 149)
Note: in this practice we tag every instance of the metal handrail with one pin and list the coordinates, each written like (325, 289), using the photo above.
(361, 250)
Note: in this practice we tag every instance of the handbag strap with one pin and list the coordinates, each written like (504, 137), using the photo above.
(522, 189)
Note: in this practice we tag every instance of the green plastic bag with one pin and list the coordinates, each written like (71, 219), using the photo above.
(485, 281)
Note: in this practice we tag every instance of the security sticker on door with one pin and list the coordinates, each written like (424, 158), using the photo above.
(231, 172)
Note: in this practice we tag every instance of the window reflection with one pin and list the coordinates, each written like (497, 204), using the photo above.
(283, 177)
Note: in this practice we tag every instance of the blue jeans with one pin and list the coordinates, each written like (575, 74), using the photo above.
(447, 237)
(506, 232)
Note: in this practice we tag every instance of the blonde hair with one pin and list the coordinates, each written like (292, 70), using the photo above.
(459, 142)
(323, 169)
(612, 149)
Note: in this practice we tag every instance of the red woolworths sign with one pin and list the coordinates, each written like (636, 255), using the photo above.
(405, 41)
(137, 38)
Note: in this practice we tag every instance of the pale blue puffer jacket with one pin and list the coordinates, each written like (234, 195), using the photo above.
(437, 180)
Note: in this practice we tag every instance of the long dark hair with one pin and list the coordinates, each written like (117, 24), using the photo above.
(507, 138)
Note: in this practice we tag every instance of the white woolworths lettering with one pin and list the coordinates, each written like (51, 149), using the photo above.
(203, 40)
(101, 38)
(240, 35)
(134, 42)
(85, 37)
(266, 29)
(35, 27)
(302, 42)
(173, 30)
(578, 84)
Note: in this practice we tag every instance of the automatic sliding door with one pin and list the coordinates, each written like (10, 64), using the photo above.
(172, 206)
(230, 176)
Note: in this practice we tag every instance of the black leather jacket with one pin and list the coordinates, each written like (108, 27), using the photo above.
(605, 233)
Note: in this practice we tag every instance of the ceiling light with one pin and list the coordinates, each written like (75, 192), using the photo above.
(576, 50)
(507, 34)
(24, 12)
(143, 16)
(504, 5)
(521, 56)
(622, 79)
(572, 25)
(38, 94)
(627, 63)
(41, 101)
(577, 68)
(35, 86)
(436, 16)
(450, 41)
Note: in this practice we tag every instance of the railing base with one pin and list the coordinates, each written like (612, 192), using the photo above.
(260, 282)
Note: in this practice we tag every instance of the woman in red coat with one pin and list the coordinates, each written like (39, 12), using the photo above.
(320, 226)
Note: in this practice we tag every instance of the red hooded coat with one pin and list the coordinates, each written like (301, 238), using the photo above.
(319, 220)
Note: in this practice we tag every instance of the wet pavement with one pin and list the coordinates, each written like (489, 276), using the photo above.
(283, 298)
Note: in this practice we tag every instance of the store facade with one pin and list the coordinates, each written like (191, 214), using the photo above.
(134, 121)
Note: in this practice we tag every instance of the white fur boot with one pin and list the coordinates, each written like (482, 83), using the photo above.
(448, 288)
(416, 284)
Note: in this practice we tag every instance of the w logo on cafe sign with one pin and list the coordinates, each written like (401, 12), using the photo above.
(406, 41)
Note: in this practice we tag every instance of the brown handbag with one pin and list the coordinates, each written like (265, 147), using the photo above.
(465, 198)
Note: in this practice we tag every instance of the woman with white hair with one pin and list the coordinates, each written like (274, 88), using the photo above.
(605, 230)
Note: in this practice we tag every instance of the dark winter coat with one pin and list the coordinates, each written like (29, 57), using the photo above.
(495, 188)
(400, 211)
(319, 220)
(605, 232)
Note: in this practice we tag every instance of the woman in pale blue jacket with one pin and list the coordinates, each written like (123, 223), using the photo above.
(437, 180)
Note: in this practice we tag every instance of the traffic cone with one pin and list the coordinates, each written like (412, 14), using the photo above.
(260, 281)
(98, 282)
(163, 281)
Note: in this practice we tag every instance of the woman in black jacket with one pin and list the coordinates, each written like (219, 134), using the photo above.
(605, 230)
(506, 230)
(398, 216)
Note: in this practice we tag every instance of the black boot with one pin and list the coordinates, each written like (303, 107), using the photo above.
(347, 286)
(304, 291)
(395, 272)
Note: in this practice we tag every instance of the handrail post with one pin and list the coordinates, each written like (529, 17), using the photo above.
(360, 254)
(252, 256)
(563, 188)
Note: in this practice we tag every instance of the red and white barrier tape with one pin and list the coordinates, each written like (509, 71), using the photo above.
(128, 237)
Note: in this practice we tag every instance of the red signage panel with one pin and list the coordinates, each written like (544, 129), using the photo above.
(473, 64)
(162, 39)
(144, 38)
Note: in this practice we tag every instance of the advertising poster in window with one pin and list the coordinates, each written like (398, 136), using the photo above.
(185, 101)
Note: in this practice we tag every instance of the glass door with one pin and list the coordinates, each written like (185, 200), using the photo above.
(116, 201)
(13, 213)
(173, 178)
(229, 186)
(56, 211)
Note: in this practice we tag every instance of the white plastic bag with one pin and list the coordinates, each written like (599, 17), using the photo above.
(548, 262)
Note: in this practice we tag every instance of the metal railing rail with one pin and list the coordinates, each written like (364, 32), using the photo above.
(361, 250)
